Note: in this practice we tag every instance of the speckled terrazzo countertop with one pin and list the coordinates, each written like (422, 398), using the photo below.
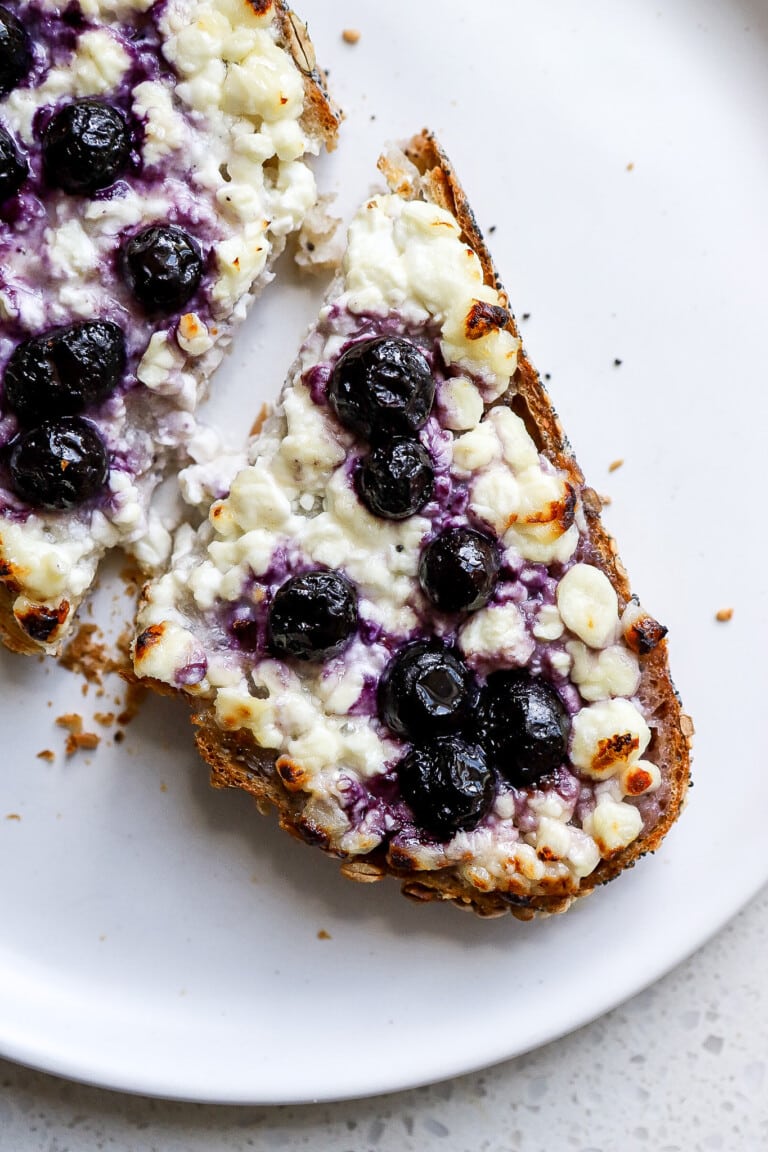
(680, 1068)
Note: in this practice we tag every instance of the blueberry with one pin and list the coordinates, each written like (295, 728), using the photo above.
(523, 725)
(448, 785)
(163, 267)
(13, 167)
(59, 464)
(312, 617)
(426, 691)
(85, 146)
(15, 51)
(458, 570)
(396, 479)
(64, 370)
(382, 386)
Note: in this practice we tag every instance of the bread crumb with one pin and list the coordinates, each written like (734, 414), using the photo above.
(258, 423)
(614, 465)
(78, 740)
(724, 615)
(350, 35)
(163, 787)
(73, 721)
(604, 500)
(631, 166)
(86, 654)
(46, 754)
(13, 816)
(106, 719)
(323, 935)
(119, 736)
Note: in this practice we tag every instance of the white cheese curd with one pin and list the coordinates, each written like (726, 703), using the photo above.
(222, 143)
(294, 507)
(613, 825)
(588, 605)
(607, 736)
(614, 671)
(548, 624)
(497, 634)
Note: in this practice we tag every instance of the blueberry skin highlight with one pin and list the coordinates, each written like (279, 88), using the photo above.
(14, 169)
(65, 370)
(523, 726)
(426, 691)
(60, 464)
(396, 479)
(85, 146)
(312, 617)
(162, 267)
(448, 786)
(15, 51)
(382, 387)
(458, 570)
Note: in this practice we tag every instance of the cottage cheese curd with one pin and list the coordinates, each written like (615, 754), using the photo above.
(294, 507)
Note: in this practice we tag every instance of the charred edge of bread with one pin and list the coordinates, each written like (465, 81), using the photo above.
(236, 761)
(321, 116)
(12, 634)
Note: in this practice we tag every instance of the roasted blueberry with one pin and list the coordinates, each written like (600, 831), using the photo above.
(312, 617)
(382, 386)
(426, 691)
(458, 570)
(13, 167)
(396, 479)
(15, 51)
(523, 726)
(59, 464)
(162, 266)
(448, 785)
(64, 370)
(85, 146)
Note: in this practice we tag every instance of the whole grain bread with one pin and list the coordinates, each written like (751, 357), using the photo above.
(236, 761)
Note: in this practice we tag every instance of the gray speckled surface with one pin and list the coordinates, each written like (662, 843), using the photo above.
(683, 1067)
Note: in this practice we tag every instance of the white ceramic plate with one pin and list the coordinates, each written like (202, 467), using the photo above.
(159, 937)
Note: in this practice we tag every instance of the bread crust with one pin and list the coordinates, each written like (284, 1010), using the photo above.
(236, 761)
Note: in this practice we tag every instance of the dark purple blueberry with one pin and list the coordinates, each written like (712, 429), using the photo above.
(15, 51)
(312, 617)
(448, 785)
(382, 386)
(64, 370)
(458, 570)
(163, 267)
(396, 479)
(524, 727)
(59, 464)
(426, 691)
(13, 167)
(86, 144)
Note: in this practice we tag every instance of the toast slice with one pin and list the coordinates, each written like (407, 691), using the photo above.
(405, 626)
(153, 160)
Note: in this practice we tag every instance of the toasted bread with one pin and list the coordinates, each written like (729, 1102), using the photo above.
(268, 722)
(193, 84)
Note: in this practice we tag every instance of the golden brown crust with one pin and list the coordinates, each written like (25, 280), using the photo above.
(237, 762)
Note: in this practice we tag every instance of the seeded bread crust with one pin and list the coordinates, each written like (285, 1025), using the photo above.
(236, 761)
(44, 625)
